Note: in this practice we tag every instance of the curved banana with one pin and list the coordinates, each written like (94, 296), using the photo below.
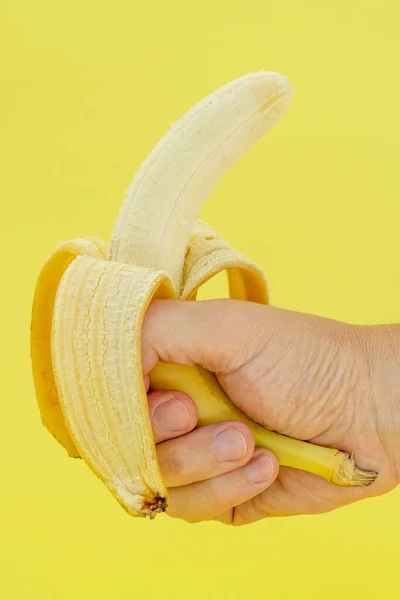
(91, 298)
(165, 197)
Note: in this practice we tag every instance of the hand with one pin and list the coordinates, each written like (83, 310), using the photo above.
(308, 377)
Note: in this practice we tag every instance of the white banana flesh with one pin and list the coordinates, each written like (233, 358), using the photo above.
(165, 198)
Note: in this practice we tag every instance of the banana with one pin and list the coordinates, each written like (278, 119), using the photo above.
(214, 407)
(165, 197)
(91, 298)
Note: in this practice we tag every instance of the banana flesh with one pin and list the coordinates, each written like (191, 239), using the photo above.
(163, 202)
(91, 298)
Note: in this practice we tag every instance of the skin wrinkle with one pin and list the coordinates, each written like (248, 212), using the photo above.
(364, 398)
(180, 463)
(368, 427)
(329, 380)
(309, 380)
(219, 360)
(353, 375)
(264, 505)
(296, 386)
(244, 514)
(267, 371)
(377, 354)
(342, 378)
(251, 381)
(266, 341)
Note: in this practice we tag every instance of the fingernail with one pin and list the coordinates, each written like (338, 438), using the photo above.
(171, 415)
(229, 445)
(260, 469)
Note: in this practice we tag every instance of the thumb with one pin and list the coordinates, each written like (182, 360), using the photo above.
(219, 335)
(270, 361)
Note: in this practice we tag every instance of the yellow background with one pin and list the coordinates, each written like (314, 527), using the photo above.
(87, 88)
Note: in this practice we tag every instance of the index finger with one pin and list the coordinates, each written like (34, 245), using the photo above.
(172, 414)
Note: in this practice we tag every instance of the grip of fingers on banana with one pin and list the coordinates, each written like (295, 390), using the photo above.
(91, 298)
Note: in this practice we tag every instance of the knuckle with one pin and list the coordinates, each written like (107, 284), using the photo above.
(225, 518)
(249, 512)
(212, 493)
(237, 518)
(180, 461)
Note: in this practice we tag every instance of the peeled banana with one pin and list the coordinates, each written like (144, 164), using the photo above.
(91, 298)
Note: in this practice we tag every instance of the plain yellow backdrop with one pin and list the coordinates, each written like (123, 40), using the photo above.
(87, 88)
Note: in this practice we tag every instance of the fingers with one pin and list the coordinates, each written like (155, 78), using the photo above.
(172, 414)
(220, 335)
(206, 452)
(206, 499)
(209, 470)
(294, 493)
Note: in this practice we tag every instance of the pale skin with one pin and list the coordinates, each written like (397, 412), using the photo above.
(309, 377)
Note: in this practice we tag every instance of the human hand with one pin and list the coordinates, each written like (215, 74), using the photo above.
(308, 377)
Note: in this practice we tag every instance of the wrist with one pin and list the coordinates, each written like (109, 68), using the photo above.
(382, 347)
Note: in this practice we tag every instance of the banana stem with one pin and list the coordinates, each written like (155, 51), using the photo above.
(214, 406)
(331, 464)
